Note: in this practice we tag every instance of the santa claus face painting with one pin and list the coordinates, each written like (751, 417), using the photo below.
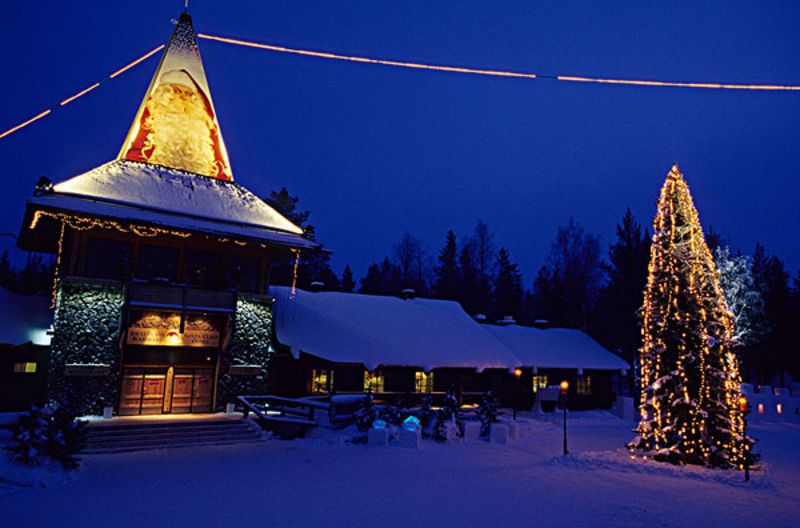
(177, 128)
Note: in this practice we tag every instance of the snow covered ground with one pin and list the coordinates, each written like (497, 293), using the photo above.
(327, 481)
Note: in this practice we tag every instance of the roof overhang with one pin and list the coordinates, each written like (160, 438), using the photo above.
(41, 227)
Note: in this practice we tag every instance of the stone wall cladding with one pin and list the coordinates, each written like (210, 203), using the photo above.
(249, 346)
(86, 332)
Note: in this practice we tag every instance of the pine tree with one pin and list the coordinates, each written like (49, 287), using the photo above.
(483, 253)
(468, 285)
(347, 284)
(616, 320)
(314, 266)
(507, 291)
(448, 272)
(690, 382)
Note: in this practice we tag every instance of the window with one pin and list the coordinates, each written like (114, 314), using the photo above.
(539, 382)
(157, 262)
(423, 382)
(107, 259)
(28, 367)
(244, 271)
(373, 382)
(202, 268)
(321, 381)
(583, 385)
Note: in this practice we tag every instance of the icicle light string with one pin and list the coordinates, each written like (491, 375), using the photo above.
(83, 92)
(498, 73)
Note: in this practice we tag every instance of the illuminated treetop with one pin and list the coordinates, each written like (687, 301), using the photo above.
(176, 125)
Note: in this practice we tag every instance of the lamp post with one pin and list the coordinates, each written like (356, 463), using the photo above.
(743, 409)
(564, 389)
(518, 375)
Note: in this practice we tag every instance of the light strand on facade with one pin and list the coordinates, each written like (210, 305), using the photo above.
(294, 272)
(81, 93)
(500, 73)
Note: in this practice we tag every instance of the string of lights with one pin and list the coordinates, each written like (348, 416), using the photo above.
(418, 66)
(81, 93)
(496, 72)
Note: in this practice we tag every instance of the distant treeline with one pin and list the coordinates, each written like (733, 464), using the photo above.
(579, 286)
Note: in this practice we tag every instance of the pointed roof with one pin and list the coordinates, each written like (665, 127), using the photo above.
(173, 169)
(176, 125)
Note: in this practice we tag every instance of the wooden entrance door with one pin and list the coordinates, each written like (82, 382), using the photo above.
(166, 390)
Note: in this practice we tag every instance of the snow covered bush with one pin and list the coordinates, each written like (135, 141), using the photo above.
(448, 423)
(392, 414)
(367, 414)
(48, 433)
(488, 411)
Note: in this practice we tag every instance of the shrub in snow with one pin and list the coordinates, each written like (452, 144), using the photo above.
(392, 414)
(488, 411)
(49, 433)
(425, 412)
(366, 414)
(448, 423)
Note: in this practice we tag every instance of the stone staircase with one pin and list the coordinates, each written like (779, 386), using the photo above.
(141, 435)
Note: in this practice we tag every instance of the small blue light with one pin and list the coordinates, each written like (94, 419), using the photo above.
(379, 424)
(411, 423)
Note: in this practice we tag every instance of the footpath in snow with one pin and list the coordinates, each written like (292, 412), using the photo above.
(327, 480)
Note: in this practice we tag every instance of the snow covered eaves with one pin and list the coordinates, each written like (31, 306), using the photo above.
(25, 319)
(140, 193)
(166, 190)
(378, 331)
(194, 215)
(557, 348)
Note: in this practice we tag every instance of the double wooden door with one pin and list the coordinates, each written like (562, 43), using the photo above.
(165, 390)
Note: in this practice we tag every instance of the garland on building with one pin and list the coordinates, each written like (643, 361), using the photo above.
(690, 384)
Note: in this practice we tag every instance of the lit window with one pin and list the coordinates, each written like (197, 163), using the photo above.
(423, 382)
(28, 367)
(321, 381)
(583, 385)
(373, 382)
(539, 382)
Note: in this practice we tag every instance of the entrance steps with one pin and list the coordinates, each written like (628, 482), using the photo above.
(124, 435)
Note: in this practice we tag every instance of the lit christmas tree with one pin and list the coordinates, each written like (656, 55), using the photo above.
(690, 384)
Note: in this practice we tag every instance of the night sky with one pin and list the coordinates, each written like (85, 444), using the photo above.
(374, 151)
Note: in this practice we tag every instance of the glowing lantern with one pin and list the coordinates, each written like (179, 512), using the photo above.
(411, 423)
(518, 372)
(564, 387)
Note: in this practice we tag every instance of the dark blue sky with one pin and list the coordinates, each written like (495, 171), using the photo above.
(373, 151)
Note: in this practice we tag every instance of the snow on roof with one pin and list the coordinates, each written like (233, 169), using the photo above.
(175, 191)
(140, 192)
(384, 331)
(25, 319)
(556, 348)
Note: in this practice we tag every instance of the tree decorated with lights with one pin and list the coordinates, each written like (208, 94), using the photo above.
(690, 384)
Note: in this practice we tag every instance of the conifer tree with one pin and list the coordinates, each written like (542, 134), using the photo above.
(447, 272)
(690, 382)
(348, 284)
(507, 292)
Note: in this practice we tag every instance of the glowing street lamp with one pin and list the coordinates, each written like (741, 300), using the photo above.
(743, 409)
(518, 375)
(564, 388)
